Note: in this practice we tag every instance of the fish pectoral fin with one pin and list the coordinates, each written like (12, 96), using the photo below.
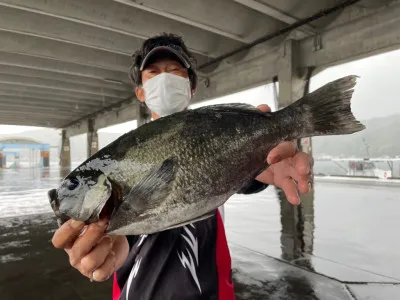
(202, 217)
(153, 188)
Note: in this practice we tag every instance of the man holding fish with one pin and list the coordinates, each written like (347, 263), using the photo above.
(187, 262)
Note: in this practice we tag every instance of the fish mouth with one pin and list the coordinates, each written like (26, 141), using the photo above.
(110, 206)
(55, 205)
(104, 211)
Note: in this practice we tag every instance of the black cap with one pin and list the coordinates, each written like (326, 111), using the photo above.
(168, 45)
(168, 50)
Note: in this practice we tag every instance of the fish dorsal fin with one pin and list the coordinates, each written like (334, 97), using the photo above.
(239, 108)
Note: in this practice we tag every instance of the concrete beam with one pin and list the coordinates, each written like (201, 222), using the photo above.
(126, 112)
(59, 112)
(56, 66)
(276, 14)
(61, 115)
(31, 97)
(65, 86)
(36, 105)
(119, 18)
(76, 129)
(36, 46)
(36, 91)
(81, 80)
(372, 34)
(212, 16)
(31, 121)
(259, 68)
(167, 11)
(7, 119)
(22, 21)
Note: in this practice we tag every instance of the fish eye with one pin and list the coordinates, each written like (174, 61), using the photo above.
(73, 183)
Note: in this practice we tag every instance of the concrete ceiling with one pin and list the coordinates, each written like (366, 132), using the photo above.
(64, 60)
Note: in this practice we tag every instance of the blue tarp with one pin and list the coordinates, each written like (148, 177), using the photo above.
(8, 153)
(43, 147)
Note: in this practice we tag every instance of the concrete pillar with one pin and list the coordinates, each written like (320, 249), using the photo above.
(297, 234)
(17, 161)
(2, 160)
(144, 115)
(45, 158)
(291, 78)
(65, 153)
(92, 139)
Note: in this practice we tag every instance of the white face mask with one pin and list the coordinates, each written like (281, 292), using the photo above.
(167, 93)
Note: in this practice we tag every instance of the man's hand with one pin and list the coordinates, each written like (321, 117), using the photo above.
(92, 252)
(286, 166)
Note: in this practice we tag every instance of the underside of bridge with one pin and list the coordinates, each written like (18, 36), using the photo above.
(64, 64)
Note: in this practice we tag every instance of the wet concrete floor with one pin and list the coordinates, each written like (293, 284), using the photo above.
(339, 244)
(30, 268)
(342, 246)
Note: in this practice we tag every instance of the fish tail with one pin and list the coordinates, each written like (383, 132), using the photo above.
(326, 111)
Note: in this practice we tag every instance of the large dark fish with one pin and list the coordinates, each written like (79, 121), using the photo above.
(179, 168)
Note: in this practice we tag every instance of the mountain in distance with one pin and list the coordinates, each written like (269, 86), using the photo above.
(381, 136)
(379, 139)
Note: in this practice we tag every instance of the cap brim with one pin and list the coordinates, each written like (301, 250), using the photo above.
(185, 61)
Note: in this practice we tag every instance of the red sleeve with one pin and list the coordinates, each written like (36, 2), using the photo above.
(116, 289)
(225, 285)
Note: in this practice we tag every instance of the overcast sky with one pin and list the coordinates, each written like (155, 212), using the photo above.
(376, 95)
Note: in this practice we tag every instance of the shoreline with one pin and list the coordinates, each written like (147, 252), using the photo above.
(357, 180)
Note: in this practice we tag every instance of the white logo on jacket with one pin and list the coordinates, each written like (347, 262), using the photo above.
(187, 260)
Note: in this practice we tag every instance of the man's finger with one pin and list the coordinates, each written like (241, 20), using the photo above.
(67, 233)
(289, 187)
(299, 170)
(282, 151)
(107, 269)
(266, 176)
(97, 256)
(84, 244)
(303, 185)
(303, 163)
(264, 107)
(303, 166)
